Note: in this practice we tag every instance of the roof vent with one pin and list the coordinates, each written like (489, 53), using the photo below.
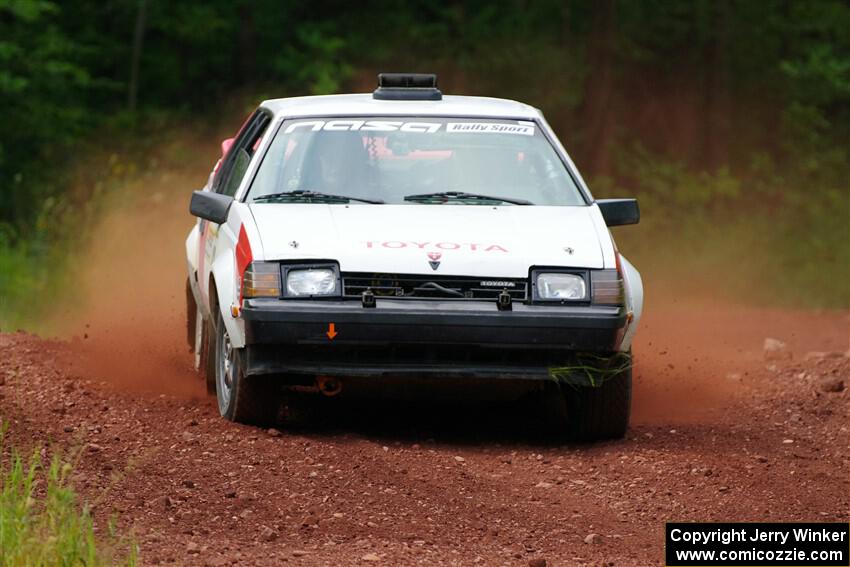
(407, 86)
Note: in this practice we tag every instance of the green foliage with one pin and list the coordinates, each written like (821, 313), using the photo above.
(784, 229)
(42, 90)
(41, 522)
(23, 275)
(591, 369)
(315, 61)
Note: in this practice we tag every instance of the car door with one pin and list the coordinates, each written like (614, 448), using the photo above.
(217, 241)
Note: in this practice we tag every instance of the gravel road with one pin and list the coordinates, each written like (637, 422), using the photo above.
(722, 431)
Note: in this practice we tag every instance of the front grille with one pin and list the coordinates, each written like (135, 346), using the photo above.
(416, 286)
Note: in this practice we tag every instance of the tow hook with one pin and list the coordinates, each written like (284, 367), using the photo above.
(504, 302)
(328, 385)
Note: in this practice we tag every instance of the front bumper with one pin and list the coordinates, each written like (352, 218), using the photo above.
(411, 337)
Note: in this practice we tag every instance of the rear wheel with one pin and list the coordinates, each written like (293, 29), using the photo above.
(244, 399)
(592, 413)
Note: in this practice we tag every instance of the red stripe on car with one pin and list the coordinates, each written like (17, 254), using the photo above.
(243, 256)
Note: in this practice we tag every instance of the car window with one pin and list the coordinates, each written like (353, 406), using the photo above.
(239, 156)
(389, 158)
(240, 166)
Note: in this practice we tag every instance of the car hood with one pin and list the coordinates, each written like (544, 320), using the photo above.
(470, 240)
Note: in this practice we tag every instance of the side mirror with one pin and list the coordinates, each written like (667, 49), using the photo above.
(225, 146)
(617, 212)
(210, 206)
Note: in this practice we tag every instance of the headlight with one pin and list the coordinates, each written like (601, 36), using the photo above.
(569, 287)
(306, 282)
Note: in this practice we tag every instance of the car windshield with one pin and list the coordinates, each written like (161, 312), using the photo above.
(415, 161)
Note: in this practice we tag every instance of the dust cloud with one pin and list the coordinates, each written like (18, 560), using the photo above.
(128, 328)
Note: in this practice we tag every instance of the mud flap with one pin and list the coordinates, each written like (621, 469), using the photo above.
(199, 337)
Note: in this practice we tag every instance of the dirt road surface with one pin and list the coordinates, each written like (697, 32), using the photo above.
(719, 434)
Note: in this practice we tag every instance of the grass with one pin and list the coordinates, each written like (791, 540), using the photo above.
(591, 369)
(42, 522)
(26, 273)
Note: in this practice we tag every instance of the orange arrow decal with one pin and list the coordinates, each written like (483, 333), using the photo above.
(331, 331)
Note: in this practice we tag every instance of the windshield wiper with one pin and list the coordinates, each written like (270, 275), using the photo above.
(313, 196)
(444, 196)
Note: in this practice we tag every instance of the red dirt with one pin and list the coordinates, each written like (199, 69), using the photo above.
(448, 485)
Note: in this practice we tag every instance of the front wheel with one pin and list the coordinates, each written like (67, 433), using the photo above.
(592, 413)
(244, 399)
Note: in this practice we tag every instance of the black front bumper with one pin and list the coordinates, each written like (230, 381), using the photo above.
(404, 337)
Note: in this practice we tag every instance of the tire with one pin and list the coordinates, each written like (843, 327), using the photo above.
(244, 399)
(592, 413)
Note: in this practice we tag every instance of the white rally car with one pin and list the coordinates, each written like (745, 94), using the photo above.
(406, 236)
